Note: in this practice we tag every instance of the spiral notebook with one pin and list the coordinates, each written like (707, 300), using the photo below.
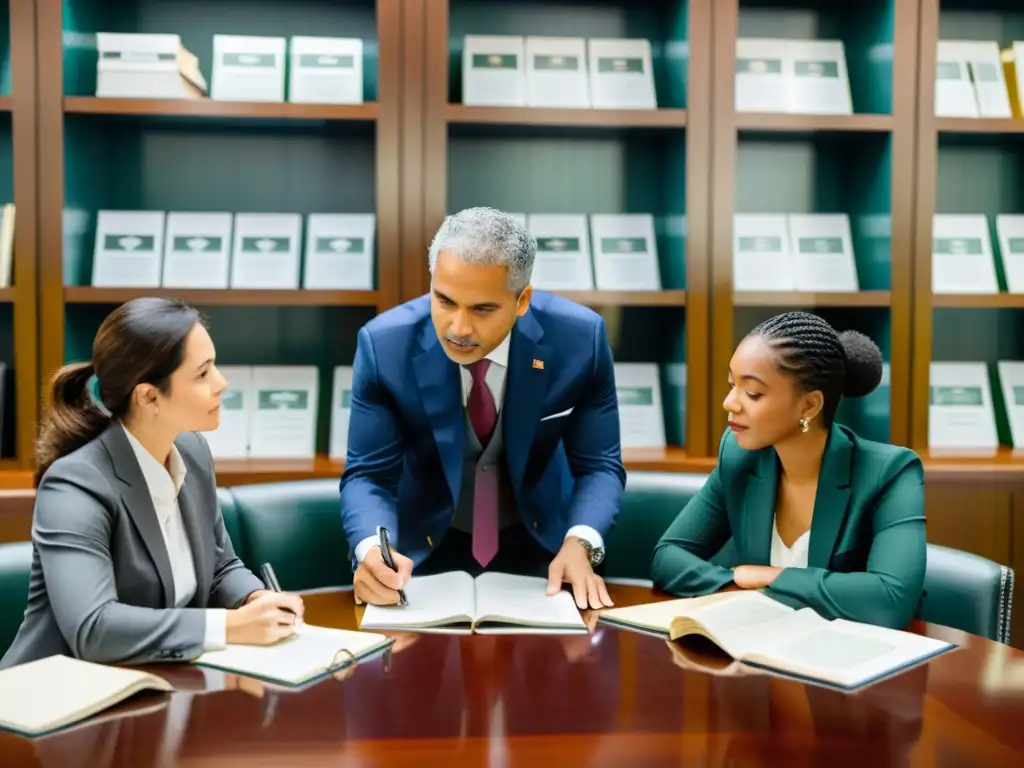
(309, 653)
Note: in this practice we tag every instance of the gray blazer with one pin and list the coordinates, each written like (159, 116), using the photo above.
(101, 587)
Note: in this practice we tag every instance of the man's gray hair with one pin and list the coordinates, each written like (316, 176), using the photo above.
(489, 237)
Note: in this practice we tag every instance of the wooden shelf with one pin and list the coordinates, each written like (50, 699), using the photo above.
(626, 298)
(770, 121)
(7, 295)
(245, 471)
(231, 297)
(978, 300)
(592, 118)
(809, 299)
(979, 125)
(670, 459)
(91, 105)
(1001, 464)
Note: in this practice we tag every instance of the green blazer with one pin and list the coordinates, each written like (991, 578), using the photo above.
(866, 559)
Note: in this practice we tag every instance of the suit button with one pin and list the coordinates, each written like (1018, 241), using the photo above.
(535, 525)
(485, 467)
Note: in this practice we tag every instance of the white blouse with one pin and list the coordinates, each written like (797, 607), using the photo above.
(789, 557)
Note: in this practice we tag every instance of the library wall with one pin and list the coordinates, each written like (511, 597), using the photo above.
(690, 167)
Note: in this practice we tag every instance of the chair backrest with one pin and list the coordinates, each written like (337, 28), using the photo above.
(296, 527)
(15, 566)
(967, 592)
(651, 502)
(229, 511)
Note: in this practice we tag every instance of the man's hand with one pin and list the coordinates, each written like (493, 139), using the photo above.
(377, 584)
(754, 576)
(572, 566)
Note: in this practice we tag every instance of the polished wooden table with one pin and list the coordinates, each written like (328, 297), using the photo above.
(613, 698)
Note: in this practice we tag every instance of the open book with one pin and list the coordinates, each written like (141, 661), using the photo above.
(308, 653)
(46, 695)
(492, 603)
(762, 632)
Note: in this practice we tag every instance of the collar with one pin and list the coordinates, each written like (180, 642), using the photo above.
(164, 483)
(499, 354)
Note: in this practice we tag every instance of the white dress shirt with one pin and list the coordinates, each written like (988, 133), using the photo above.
(794, 556)
(164, 483)
(495, 380)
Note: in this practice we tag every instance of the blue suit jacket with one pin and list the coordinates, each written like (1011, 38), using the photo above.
(406, 431)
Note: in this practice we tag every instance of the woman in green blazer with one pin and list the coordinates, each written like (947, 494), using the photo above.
(812, 514)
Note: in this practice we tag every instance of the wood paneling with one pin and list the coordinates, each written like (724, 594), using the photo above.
(24, 147)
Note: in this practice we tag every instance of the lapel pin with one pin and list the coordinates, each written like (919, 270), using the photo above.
(538, 364)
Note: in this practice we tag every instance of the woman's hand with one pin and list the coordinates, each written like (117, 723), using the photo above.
(265, 618)
(754, 576)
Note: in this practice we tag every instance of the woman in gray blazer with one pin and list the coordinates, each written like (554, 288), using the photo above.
(131, 562)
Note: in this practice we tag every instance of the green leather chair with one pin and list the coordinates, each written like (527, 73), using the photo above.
(15, 564)
(296, 527)
(229, 511)
(651, 502)
(967, 592)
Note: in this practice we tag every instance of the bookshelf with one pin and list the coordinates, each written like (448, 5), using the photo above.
(965, 166)
(782, 163)
(209, 155)
(413, 151)
(18, 182)
(592, 161)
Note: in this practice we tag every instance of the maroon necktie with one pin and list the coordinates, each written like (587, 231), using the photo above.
(483, 416)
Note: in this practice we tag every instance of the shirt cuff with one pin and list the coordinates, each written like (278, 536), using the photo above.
(588, 534)
(216, 638)
(365, 546)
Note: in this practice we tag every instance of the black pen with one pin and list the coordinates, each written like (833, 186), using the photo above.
(270, 579)
(385, 551)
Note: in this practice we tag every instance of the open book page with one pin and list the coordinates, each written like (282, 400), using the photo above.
(736, 623)
(845, 653)
(443, 602)
(507, 604)
(51, 693)
(307, 653)
(657, 618)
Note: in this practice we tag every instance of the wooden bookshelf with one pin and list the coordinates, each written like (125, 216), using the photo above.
(761, 121)
(19, 325)
(874, 147)
(85, 294)
(978, 301)
(430, 154)
(808, 300)
(668, 298)
(581, 118)
(90, 105)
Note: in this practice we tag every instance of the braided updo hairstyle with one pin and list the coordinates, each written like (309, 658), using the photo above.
(846, 364)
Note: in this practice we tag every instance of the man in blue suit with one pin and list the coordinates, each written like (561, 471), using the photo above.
(484, 427)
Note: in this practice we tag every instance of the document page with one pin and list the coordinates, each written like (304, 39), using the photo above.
(734, 623)
(443, 602)
(523, 602)
(308, 652)
(848, 653)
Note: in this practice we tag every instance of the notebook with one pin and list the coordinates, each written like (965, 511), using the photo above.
(492, 603)
(762, 632)
(50, 694)
(309, 653)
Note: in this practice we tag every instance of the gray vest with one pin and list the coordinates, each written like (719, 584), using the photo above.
(480, 459)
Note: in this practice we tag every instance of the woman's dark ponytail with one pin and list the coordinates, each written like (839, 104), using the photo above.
(72, 419)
